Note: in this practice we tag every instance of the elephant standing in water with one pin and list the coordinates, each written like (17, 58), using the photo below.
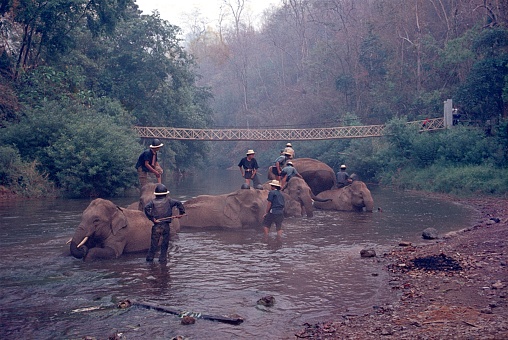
(106, 231)
(353, 197)
(318, 175)
(299, 191)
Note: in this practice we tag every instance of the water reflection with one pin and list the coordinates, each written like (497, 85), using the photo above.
(314, 271)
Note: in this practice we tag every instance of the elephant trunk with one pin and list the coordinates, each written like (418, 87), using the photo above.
(369, 206)
(309, 207)
(78, 252)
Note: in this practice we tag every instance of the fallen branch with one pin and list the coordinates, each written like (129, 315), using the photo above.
(181, 314)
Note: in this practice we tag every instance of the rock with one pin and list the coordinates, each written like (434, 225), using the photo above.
(430, 234)
(497, 285)
(404, 243)
(368, 253)
(267, 301)
(188, 320)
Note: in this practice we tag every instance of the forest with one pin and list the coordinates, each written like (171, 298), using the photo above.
(76, 76)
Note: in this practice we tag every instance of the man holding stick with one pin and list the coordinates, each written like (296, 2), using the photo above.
(160, 212)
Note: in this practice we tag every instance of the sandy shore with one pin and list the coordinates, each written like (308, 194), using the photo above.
(455, 287)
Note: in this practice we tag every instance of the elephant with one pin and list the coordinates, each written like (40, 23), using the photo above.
(293, 206)
(106, 231)
(243, 208)
(353, 197)
(298, 190)
(318, 175)
(146, 195)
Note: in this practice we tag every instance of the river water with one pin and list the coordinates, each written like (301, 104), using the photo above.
(315, 272)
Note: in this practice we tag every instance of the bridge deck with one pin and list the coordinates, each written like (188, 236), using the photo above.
(278, 134)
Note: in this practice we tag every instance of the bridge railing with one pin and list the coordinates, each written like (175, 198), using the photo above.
(278, 134)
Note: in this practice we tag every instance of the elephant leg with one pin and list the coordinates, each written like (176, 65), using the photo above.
(100, 253)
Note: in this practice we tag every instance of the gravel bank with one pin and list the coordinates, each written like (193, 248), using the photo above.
(455, 287)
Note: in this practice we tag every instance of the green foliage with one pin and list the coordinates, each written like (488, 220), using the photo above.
(21, 177)
(373, 55)
(483, 93)
(87, 151)
(460, 180)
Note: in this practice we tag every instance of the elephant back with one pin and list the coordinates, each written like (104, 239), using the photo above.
(318, 175)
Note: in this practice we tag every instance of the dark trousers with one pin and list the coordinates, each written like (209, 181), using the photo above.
(158, 230)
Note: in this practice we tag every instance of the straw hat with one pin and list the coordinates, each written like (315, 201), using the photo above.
(275, 183)
(289, 144)
(250, 152)
(156, 144)
(343, 166)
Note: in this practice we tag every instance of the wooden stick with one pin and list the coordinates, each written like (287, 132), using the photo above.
(169, 218)
(181, 314)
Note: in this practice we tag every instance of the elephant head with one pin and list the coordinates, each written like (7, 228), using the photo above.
(298, 190)
(106, 231)
(354, 197)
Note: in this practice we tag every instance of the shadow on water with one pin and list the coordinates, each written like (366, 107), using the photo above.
(314, 272)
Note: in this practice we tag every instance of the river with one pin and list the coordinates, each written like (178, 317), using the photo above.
(315, 273)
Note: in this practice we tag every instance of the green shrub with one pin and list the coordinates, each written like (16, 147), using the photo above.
(86, 150)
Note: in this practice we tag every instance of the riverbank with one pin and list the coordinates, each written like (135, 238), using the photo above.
(455, 287)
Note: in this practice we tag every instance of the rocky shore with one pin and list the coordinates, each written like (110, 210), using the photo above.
(455, 287)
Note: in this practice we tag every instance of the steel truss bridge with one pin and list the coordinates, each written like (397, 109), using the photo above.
(279, 134)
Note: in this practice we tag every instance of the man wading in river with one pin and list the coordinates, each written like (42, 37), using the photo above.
(274, 209)
(160, 211)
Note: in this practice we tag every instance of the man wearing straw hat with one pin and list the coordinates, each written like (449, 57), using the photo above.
(149, 164)
(160, 212)
(249, 167)
(274, 209)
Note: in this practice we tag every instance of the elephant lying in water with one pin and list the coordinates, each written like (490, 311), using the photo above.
(107, 231)
(244, 208)
(353, 197)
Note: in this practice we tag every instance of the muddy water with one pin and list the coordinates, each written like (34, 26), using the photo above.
(315, 272)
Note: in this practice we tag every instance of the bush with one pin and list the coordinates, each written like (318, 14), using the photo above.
(22, 178)
(87, 151)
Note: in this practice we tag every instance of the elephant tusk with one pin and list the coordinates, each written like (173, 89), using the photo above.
(83, 242)
(70, 240)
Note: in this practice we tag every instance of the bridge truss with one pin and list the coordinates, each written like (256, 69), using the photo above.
(278, 134)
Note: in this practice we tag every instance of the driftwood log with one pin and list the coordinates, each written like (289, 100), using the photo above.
(234, 320)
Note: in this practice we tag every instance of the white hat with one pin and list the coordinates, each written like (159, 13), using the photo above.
(250, 152)
(156, 144)
(343, 166)
(289, 144)
(275, 183)
(289, 163)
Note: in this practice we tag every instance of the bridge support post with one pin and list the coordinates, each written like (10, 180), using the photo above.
(448, 113)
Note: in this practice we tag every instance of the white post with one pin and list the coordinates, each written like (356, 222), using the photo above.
(448, 114)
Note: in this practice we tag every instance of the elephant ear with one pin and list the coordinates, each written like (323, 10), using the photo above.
(232, 208)
(118, 221)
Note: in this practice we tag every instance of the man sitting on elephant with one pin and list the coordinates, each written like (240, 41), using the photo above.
(280, 163)
(287, 173)
(160, 211)
(343, 178)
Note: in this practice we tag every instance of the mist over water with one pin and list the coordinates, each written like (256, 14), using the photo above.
(315, 272)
